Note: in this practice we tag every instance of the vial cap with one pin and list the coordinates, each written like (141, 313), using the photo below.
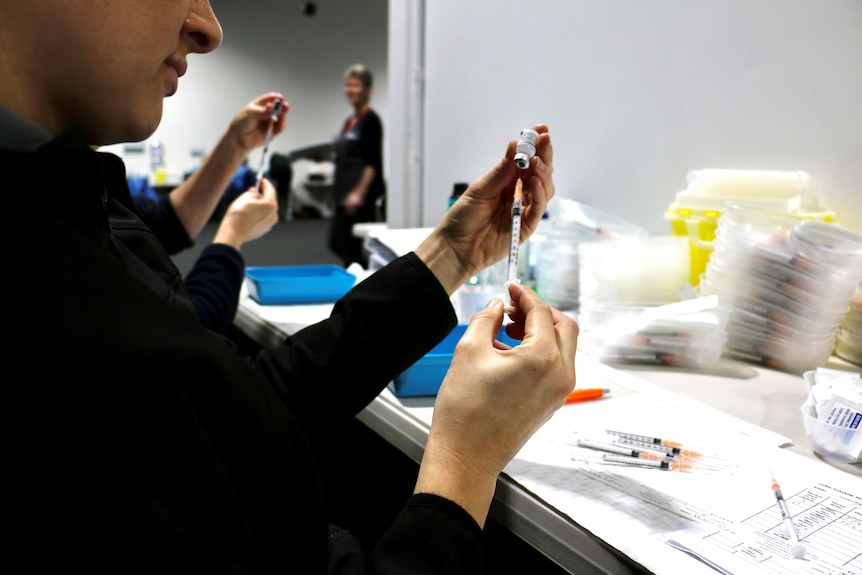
(522, 160)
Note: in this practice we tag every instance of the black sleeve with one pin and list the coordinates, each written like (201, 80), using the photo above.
(430, 535)
(214, 284)
(171, 437)
(161, 218)
(378, 329)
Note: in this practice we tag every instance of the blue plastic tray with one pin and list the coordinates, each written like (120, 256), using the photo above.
(274, 285)
(424, 377)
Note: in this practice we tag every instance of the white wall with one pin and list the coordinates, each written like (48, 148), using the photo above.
(270, 45)
(637, 93)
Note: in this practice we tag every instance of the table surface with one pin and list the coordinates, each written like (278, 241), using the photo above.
(759, 396)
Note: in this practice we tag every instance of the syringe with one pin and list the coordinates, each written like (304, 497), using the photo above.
(273, 118)
(797, 549)
(514, 244)
(619, 450)
(672, 448)
(661, 464)
(640, 441)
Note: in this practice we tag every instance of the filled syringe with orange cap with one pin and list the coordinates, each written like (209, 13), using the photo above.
(620, 450)
(673, 447)
(515, 242)
(661, 459)
(641, 460)
(663, 464)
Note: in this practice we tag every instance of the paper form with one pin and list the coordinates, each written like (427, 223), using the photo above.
(690, 495)
(830, 526)
(734, 505)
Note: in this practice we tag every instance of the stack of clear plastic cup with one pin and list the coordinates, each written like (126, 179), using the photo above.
(569, 224)
(558, 275)
(641, 269)
(789, 283)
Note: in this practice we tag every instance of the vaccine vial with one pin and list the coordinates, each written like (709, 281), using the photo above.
(526, 148)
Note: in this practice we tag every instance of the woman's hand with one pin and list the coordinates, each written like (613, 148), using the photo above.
(475, 232)
(195, 199)
(249, 126)
(251, 215)
(494, 398)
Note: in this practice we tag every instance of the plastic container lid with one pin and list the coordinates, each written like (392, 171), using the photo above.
(778, 190)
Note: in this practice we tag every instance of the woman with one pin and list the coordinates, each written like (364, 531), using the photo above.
(359, 188)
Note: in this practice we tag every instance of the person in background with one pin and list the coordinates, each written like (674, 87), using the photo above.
(280, 173)
(359, 188)
(215, 280)
(145, 443)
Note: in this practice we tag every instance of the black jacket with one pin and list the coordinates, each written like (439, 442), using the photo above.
(139, 441)
(215, 280)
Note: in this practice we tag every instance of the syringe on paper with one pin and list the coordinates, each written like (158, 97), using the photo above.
(797, 549)
(642, 456)
(670, 447)
(273, 119)
(514, 244)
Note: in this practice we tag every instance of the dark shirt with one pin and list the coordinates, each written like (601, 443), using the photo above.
(139, 441)
(214, 281)
(356, 147)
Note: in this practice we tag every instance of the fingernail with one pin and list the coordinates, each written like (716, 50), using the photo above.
(493, 303)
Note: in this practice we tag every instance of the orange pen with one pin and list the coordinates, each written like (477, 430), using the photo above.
(587, 394)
